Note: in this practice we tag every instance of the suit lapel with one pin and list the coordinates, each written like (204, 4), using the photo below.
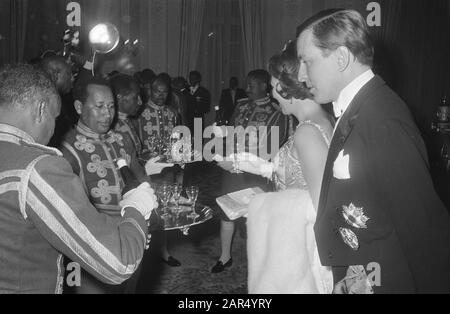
(343, 131)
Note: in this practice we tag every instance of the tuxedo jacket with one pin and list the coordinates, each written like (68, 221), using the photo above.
(383, 209)
(199, 103)
(227, 105)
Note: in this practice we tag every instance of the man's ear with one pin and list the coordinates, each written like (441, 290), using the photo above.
(344, 57)
(41, 111)
(78, 106)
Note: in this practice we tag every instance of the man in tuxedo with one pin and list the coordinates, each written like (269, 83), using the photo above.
(228, 101)
(380, 224)
(198, 100)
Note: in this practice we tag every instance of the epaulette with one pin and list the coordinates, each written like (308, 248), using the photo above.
(242, 100)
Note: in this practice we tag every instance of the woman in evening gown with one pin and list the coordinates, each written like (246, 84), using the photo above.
(281, 246)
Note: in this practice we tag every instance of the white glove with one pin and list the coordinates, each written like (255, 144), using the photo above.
(142, 198)
(251, 163)
(153, 167)
(226, 164)
(219, 131)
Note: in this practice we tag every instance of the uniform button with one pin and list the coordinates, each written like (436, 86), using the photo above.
(330, 256)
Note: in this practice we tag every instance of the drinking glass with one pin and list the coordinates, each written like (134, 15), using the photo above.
(192, 194)
(176, 194)
(165, 193)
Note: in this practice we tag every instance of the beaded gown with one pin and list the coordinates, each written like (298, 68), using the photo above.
(281, 246)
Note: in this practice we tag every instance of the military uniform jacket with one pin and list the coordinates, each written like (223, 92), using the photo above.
(92, 157)
(260, 113)
(45, 214)
(155, 122)
(125, 127)
(377, 203)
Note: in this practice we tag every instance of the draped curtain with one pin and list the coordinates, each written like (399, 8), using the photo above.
(221, 49)
(18, 28)
(412, 54)
(252, 12)
(13, 28)
(191, 32)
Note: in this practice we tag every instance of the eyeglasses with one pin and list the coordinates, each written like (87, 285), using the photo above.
(282, 92)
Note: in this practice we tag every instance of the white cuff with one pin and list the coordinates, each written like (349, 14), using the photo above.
(267, 170)
(88, 65)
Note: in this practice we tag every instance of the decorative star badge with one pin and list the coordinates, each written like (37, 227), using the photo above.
(349, 238)
(354, 216)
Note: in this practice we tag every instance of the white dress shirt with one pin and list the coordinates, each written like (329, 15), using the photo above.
(348, 94)
(194, 89)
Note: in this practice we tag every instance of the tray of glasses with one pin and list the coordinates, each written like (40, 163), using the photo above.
(181, 218)
(165, 159)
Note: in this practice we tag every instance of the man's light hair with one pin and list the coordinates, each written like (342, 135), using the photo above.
(337, 27)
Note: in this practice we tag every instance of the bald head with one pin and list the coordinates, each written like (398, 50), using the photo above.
(59, 71)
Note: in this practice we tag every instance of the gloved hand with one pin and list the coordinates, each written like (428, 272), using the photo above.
(142, 198)
(219, 131)
(251, 163)
(153, 167)
(225, 164)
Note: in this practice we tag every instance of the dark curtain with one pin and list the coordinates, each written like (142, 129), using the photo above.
(412, 54)
(13, 26)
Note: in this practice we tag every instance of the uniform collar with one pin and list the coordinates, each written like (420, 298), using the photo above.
(349, 92)
(262, 101)
(12, 130)
(155, 106)
(15, 135)
(122, 116)
(86, 131)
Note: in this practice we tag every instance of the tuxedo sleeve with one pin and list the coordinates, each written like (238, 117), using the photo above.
(206, 102)
(399, 171)
(111, 249)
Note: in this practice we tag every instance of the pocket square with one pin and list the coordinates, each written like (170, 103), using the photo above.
(341, 165)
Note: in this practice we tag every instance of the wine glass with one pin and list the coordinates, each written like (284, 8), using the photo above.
(176, 194)
(192, 194)
(165, 193)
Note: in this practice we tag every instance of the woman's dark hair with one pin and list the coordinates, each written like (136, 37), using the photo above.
(285, 66)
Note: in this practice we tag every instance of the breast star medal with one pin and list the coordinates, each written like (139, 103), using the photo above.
(355, 216)
(349, 238)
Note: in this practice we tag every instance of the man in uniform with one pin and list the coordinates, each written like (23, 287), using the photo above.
(126, 91)
(44, 210)
(92, 149)
(154, 127)
(157, 121)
